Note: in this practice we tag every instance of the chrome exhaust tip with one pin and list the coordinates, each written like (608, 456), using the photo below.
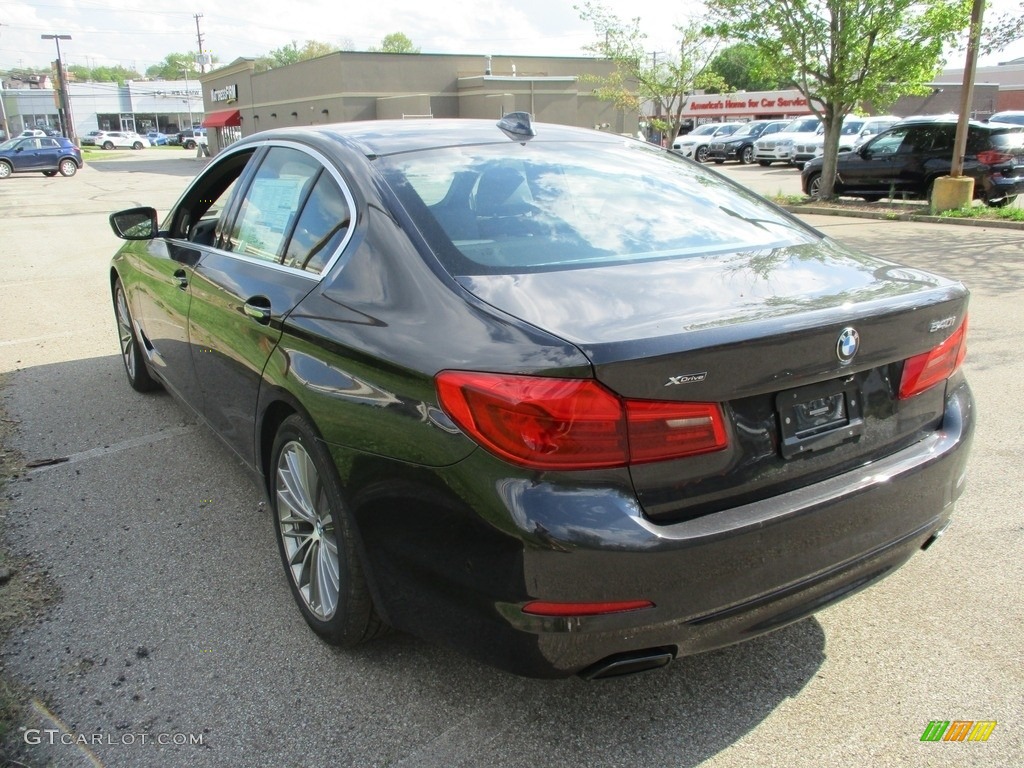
(629, 663)
(935, 536)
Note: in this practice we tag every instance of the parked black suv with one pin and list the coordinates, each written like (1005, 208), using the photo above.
(740, 145)
(905, 160)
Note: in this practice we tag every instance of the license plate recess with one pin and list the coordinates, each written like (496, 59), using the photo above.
(819, 416)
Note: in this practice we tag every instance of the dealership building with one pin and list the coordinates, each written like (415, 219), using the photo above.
(142, 105)
(351, 85)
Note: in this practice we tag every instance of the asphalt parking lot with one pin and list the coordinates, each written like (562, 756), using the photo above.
(174, 641)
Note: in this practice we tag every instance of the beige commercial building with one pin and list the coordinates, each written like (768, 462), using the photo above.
(348, 85)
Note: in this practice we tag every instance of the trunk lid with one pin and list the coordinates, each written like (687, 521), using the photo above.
(760, 332)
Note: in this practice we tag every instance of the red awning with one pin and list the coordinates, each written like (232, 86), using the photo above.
(222, 119)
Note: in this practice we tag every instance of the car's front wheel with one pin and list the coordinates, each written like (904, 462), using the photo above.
(68, 167)
(189, 145)
(747, 158)
(134, 364)
(137, 145)
(316, 538)
(701, 154)
(108, 145)
(5, 169)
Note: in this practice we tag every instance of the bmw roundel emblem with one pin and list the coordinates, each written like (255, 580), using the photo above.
(848, 344)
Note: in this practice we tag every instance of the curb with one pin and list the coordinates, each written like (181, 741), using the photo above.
(918, 217)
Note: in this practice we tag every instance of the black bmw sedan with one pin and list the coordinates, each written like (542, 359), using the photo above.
(557, 398)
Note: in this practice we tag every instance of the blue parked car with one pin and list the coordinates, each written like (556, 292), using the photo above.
(158, 139)
(44, 154)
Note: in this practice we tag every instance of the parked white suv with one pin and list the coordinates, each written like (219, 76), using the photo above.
(115, 140)
(778, 148)
(856, 130)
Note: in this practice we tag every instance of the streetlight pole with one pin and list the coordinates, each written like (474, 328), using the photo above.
(188, 100)
(65, 99)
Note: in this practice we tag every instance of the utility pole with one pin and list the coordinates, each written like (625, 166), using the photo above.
(65, 100)
(199, 40)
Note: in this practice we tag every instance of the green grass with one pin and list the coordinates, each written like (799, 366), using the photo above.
(984, 212)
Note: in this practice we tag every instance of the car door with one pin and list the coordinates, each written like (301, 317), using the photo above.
(49, 154)
(928, 153)
(27, 155)
(162, 291)
(876, 166)
(265, 265)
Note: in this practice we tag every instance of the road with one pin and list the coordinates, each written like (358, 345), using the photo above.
(174, 621)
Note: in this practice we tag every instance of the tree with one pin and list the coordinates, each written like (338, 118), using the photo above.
(1000, 31)
(116, 74)
(291, 53)
(741, 68)
(663, 78)
(841, 53)
(172, 66)
(396, 42)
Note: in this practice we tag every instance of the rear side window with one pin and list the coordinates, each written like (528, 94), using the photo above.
(1012, 139)
(321, 227)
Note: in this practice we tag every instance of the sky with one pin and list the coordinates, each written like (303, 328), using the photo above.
(108, 32)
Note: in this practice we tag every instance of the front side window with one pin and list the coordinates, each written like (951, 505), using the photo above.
(888, 143)
(271, 204)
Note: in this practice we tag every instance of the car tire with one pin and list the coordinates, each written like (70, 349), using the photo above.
(701, 154)
(813, 185)
(747, 156)
(316, 538)
(189, 145)
(6, 169)
(108, 145)
(135, 364)
(49, 173)
(68, 167)
(137, 145)
(764, 163)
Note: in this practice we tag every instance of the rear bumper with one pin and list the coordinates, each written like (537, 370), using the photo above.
(714, 580)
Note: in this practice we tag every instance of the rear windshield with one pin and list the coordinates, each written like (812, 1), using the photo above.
(1012, 138)
(510, 208)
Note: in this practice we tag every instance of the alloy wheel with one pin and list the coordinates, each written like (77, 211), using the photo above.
(126, 334)
(307, 528)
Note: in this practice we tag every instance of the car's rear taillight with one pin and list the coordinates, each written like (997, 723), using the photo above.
(572, 424)
(994, 157)
(924, 371)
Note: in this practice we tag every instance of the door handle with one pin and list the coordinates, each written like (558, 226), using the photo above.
(181, 277)
(258, 308)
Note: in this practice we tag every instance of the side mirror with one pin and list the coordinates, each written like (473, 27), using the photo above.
(135, 223)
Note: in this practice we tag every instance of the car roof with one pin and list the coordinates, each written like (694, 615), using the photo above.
(952, 120)
(387, 137)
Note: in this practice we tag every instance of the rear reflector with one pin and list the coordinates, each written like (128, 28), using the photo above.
(924, 371)
(543, 608)
(574, 424)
